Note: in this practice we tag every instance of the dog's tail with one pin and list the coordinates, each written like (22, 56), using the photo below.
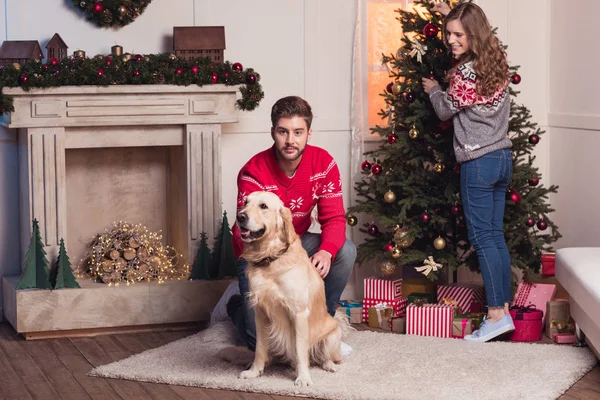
(342, 319)
(236, 355)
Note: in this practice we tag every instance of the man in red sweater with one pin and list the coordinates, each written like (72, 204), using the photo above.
(303, 176)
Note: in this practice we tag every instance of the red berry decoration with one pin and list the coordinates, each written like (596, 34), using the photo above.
(409, 97)
(136, 73)
(100, 72)
(237, 67)
(373, 230)
(179, 71)
(390, 87)
(388, 247)
(530, 222)
(516, 79)
(514, 196)
(542, 225)
(430, 30)
(23, 79)
(365, 165)
(455, 210)
(108, 60)
(195, 69)
(534, 139)
(214, 77)
(534, 182)
(392, 138)
(251, 79)
(425, 217)
(98, 7)
(376, 169)
(53, 61)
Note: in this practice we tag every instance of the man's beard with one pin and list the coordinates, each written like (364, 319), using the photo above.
(293, 156)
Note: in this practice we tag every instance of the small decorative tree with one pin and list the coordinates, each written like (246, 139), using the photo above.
(203, 262)
(223, 257)
(35, 268)
(63, 277)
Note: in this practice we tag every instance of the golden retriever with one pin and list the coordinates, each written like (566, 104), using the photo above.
(287, 293)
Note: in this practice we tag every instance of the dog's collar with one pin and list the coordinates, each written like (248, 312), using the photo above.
(265, 262)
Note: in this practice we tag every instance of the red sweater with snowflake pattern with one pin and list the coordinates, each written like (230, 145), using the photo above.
(316, 182)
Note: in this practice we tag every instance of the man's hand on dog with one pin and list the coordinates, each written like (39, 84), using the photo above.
(322, 262)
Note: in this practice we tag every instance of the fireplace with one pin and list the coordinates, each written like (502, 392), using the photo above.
(91, 156)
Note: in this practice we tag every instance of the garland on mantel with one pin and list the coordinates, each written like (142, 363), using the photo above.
(105, 13)
(151, 69)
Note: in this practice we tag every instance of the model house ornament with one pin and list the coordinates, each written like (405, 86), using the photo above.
(20, 51)
(56, 48)
(199, 41)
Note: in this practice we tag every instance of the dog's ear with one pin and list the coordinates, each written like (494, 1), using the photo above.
(288, 231)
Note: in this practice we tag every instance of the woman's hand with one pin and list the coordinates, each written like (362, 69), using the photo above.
(428, 84)
(441, 7)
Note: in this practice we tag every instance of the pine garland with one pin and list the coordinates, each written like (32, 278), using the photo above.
(109, 13)
(151, 69)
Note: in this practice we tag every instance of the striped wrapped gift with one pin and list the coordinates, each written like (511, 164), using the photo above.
(430, 320)
(470, 298)
(399, 306)
(381, 288)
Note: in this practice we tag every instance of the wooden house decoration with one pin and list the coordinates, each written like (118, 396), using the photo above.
(199, 41)
(20, 51)
(56, 48)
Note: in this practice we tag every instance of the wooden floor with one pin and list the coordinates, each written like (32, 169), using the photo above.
(56, 369)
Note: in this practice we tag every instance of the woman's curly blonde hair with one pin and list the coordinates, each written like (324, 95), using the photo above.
(486, 51)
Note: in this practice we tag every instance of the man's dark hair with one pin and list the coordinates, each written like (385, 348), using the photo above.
(291, 106)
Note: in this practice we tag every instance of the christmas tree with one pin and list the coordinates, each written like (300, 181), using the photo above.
(409, 191)
(223, 252)
(63, 275)
(35, 269)
(203, 262)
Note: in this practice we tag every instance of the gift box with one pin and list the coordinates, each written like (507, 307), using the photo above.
(353, 309)
(558, 317)
(534, 294)
(378, 315)
(548, 264)
(528, 324)
(382, 288)
(395, 324)
(470, 298)
(462, 325)
(417, 285)
(564, 338)
(421, 298)
(429, 320)
(398, 305)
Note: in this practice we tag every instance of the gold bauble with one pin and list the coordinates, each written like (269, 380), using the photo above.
(127, 57)
(16, 66)
(439, 243)
(396, 252)
(438, 167)
(146, 58)
(413, 133)
(172, 56)
(352, 220)
(387, 267)
(99, 57)
(402, 237)
(389, 197)
(397, 88)
(122, 10)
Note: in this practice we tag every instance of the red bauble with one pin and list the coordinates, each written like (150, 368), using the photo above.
(388, 247)
(100, 72)
(365, 165)
(530, 222)
(392, 138)
(98, 7)
(179, 71)
(138, 57)
(214, 77)
(455, 210)
(251, 79)
(136, 73)
(237, 67)
(376, 169)
(430, 30)
(195, 69)
(516, 79)
(425, 217)
(534, 139)
(53, 61)
(534, 182)
(514, 196)
(108, 60)
(389, 88)
(373, 230)
(23, 79)
(542, 225)
(409, 97)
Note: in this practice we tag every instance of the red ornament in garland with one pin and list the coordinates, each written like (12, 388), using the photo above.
(514, 196)
(533, 182)
(100, 72)
(392, 138)
(98, 8)
(373, 230)
(515, 79)
(390, 87)
(388, 247)
(136, 73)
(530, 222)
(455, 210)
(214, 77)
(23, 79)
(195, 69)
(409, 97)
(376, 169)
(108, 60)
(542, 225)
(430, 30)
(365, 165)
(53, 61)
(237, 67)
(534, 139)
(251, 79)
(425, 217)
(179, 71)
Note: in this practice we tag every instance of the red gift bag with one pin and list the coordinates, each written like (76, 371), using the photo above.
(528, 324)
(548, 264)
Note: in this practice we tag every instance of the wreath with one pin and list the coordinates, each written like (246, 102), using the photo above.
(106, 13)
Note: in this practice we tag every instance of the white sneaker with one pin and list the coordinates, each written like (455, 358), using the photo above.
(219, 313)
(345, 349)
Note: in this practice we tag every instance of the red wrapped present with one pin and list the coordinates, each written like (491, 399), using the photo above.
(384, 289)
(564, 338)
(548, 264)
(536, 294)
(398, 305)
(429, 320)
(470, 298)
(528, 324)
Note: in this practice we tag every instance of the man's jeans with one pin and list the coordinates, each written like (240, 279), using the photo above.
(335, 282)
(483, 184)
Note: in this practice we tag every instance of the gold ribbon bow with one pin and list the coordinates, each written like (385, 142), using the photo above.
(430, 266)
(561, 326)
(418, 50)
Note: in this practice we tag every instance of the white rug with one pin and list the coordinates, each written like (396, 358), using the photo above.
(382, 366)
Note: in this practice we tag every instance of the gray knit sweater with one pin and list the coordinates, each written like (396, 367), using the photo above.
(480, 122)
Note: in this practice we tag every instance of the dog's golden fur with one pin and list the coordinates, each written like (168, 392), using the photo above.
(286, 292)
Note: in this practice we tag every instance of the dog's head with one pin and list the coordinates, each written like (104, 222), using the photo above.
(264, 217)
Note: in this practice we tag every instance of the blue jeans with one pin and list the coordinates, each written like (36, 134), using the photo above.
(483, 184)
(335, 282)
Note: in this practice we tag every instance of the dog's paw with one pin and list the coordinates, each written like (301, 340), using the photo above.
(329, 366)
(251, 373)
(303, 380)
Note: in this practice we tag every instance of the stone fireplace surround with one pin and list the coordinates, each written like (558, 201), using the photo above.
(90, 156)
